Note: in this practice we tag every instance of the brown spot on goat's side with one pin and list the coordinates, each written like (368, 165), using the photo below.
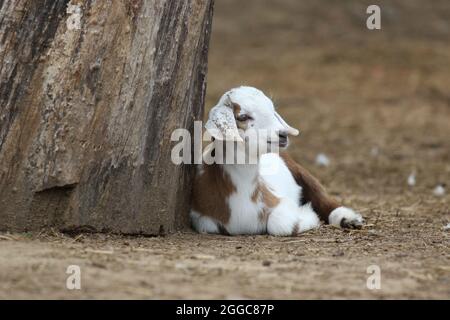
(312, 190)
(262, 193)
(211, 191)
(269, 199)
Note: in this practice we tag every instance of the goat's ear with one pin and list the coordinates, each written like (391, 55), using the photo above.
(221, 124)
(289, 129)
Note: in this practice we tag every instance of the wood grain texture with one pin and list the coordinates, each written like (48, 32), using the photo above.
(90, 92)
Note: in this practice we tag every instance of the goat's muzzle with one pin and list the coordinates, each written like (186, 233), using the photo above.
(283, 139)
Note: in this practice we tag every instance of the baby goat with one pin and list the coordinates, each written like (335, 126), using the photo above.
(274, 194)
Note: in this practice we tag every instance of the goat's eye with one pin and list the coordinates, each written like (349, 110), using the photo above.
(243, 117)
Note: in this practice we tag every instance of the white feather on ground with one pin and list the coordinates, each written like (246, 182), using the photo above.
(322, 160)
(439, 191)
(412, 180)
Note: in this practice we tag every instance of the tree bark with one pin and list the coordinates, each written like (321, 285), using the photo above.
(90, 92)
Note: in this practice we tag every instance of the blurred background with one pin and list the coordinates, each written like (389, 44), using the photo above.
(376, 103)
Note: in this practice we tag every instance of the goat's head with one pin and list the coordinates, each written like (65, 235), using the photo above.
(246, 115)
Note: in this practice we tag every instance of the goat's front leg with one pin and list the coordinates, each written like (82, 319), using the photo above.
(203, 224)
(288, 219)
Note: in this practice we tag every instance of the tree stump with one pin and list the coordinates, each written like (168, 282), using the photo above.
(90, 92)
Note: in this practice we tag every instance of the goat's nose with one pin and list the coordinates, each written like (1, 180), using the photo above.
(283, 136)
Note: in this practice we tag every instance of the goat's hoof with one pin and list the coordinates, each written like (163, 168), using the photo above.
(346, 218)
(352, 223)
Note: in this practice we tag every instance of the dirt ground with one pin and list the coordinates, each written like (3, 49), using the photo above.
(377, 103)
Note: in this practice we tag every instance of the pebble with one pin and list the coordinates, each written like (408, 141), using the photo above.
(266, 263)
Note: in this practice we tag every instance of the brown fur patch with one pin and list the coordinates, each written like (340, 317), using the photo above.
(267, 197)
(263, 193)
(312, 190)
(256, 194)
(211, 189)
(236, 109)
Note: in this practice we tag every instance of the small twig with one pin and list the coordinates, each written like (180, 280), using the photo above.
(294, 241)
(100, 251)
(5, 237)
(142, 250)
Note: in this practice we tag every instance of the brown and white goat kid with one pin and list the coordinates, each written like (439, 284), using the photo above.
(274, 194)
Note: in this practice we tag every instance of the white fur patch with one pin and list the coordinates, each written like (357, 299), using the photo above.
(278, 178)
(288, 215)
(308, 218)
(245, 214)
(203, 224)
(340, 213)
